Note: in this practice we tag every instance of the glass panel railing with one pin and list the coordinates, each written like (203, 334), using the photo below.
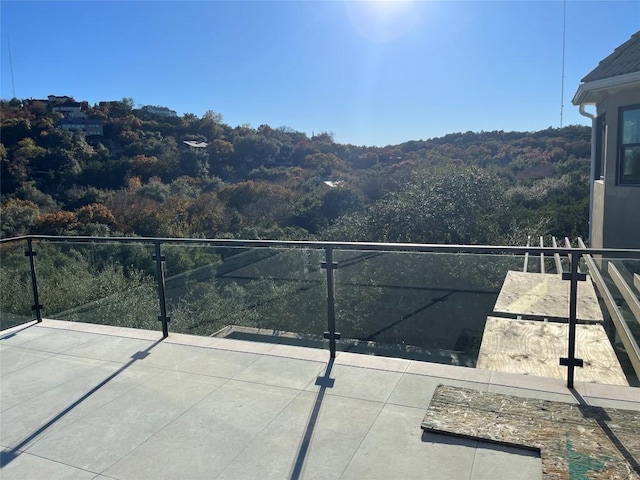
(106, 283)
(16, 295)
(423, 306)
(475, 310)
(263, 294)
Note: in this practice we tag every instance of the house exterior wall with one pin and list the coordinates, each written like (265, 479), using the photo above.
(160, 111)
(68, 111)
(615, 213)
(91, 127)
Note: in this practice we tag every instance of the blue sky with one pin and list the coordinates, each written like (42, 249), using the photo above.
(373, 73)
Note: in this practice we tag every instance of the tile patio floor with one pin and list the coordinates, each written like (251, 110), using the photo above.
(81, 401)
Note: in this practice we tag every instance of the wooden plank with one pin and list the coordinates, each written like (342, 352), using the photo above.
(539, 295)
(534, 348)
(622, 329)
(574, 441)
(625, 290)
(636, 281)
(556, 257)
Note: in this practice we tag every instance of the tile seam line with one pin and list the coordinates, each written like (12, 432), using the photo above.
(533, 393)
(82, 417)
(26, 366)
(357, 449)
(57, 461)
(565, 391)
(163, 427)
(391, 370)
(57, 385)
(473, 462)
(258, 357)
(280, 413)
(113, 333)
(61, 385)
(395, 385)
(156, 367)
(228, 380)
(17, 328)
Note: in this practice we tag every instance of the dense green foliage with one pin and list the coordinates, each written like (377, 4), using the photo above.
(140, 178)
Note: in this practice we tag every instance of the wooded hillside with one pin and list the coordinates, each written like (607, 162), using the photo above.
(141, 178)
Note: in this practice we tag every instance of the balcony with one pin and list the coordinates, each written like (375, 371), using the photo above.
(168, 358)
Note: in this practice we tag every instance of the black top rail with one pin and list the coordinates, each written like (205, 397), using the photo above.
(375, 246)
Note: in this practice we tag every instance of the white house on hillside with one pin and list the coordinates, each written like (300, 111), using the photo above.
(160, 111)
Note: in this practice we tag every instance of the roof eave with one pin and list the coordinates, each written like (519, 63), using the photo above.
(592, 92)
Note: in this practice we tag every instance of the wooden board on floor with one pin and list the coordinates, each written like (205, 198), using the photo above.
(534, 348)
(542, 295)
(574, 441)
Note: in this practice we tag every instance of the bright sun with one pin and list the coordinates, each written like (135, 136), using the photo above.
(381, 21)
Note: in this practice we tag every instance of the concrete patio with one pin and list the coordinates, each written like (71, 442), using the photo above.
(81, 401)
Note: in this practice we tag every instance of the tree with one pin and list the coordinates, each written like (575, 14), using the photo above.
(205, 216)
(220, 155)
(325, 164)
(449, 205)
(155, 190)
(211, 125)
(27, 154)
(255, 150)
(95, 213)
(18, 217)
(58, 223)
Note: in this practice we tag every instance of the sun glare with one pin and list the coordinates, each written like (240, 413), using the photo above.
(382, 21)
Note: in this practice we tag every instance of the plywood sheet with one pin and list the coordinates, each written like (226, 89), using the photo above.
(574, 441)
(534, 348)
(541, 295)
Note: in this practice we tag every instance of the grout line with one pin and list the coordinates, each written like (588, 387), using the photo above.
(167, 424)
(24, 452)
(255, 438)
(366, 434)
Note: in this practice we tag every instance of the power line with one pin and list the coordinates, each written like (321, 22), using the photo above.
(564, 42)
(13, 83)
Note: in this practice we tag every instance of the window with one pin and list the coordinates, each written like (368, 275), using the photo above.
(601, 146)
(629, 156)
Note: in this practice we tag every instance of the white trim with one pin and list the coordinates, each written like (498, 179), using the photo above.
(583, 95)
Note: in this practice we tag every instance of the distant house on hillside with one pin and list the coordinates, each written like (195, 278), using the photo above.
(198, 147)
(69, 109)
(74, 118)
(59, 99)
(91, 126)
(67, 106)
(160, 111)
(614, 88)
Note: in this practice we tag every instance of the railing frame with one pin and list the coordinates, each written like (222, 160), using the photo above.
(329, 265)
(574, 276)
(37, 306)
(163, 317)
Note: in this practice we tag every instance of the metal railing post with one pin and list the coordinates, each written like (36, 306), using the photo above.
(574, 276)
(159, 258)
(331, 334)
(34, 281)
